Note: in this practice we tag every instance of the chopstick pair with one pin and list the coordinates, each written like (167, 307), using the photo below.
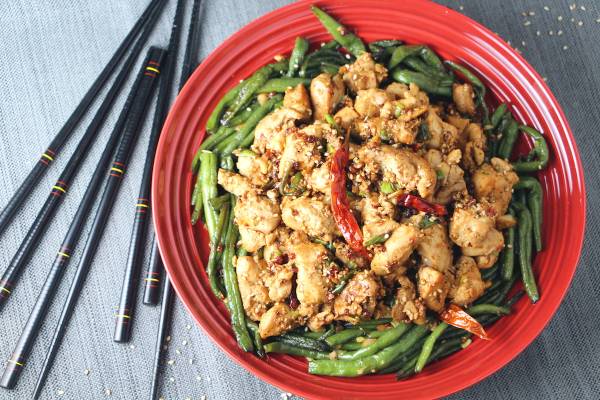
(48, 292)
(190, 62)
(60, 188)
(135, 257)
(149, 72)
(55, 146)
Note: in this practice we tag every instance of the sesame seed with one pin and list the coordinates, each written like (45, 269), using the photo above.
(203, 397)
(531, 13)
(538, 33)
(177, 351)
(572, 7)
(188, 327)
(565, 47)
(132, 346)
(580, 23)
(191, 361)
(348, 56)
(172, 379)
(524, 14)
(107, 392)
(198, 378)
(171, 362)
(546, 8)
(572, 19)
(461, 8)
(560, 18)
(188, 398)
(582, 8)
(184, 343)
(559, 33)
(523, 43)
(598, 20)
(527, 23)
(168, 338)
(86, 371)
(551, 33)
(60, 392)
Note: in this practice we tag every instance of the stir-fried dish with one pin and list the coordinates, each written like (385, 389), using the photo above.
(363, 207)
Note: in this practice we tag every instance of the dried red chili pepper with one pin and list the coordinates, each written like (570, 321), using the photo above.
(456, 316)
(420, 204)
(340, 206)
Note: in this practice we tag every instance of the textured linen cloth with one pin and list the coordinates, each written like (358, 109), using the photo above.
(50, 52)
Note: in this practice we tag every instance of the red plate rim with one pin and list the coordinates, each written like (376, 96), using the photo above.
(454, 36)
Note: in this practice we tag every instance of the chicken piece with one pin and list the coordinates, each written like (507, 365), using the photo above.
(301, 152)
(234, 183)
(470, 225)
(256, 168)
(277, 320)
(310, 215)
(326, 92)
(407, 308)
(363, 74)
(463, 96)
(468, 285)
(377, 214)
(311, 261)
(257, 212)
(270, 132)
(255, 296)
(347, 256)
(458, 122)
(408, 102)
(433, 288)
(320, 179)
(345, 117)
(407, 170)
(434, 248)
(369, 102)
(474, 150)
(450, 177)
(442, 135)
(473, 230)
(358, 299)
(394, 130)
(505, 221)
(396, 250)
(493, 184)
(250, 239)
(320, 318)
(297, 99)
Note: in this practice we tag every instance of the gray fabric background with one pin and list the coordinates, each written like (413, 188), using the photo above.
(51, 51)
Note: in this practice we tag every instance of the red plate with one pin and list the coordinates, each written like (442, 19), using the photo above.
(454, 36)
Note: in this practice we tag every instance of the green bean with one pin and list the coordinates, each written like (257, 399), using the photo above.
(234, 141)
(247, 140)
(403, 358)
(308, 334)
(509, 138)
(331, 69)
(498, 114)
(386, 43)
(218, 202)
(474, 80)
(428, 346)
(213, 122)
(300, 48)
(215, 241)
(243, 115)
(352, 346)
(401, 53)
(343, 282)
(449, 347)
(280, 85)
(344, 336)
(372, 324)
(377, 240)
(234, 299)
(227, 162)
(328, 332)
(430, 84)
(503, 291)
(534, 202)
(280, 347)
(303, 341)
(408, 369)
(213, 140)
(540, 150)
(516, 297)
(208, 186)
(340, 33)
(369, 364)
(525, 232)
(388, 338)
(259, 348)
(489, 273)
(419, 65)
(480, 309)
(247, 92)
(508, 254)
(432, 60)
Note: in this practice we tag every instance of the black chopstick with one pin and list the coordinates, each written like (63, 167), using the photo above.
(190, 61)
(33, 178)
(126, 309)
(153, 276)
(30, 332)
(59, 190)
(150, 71)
